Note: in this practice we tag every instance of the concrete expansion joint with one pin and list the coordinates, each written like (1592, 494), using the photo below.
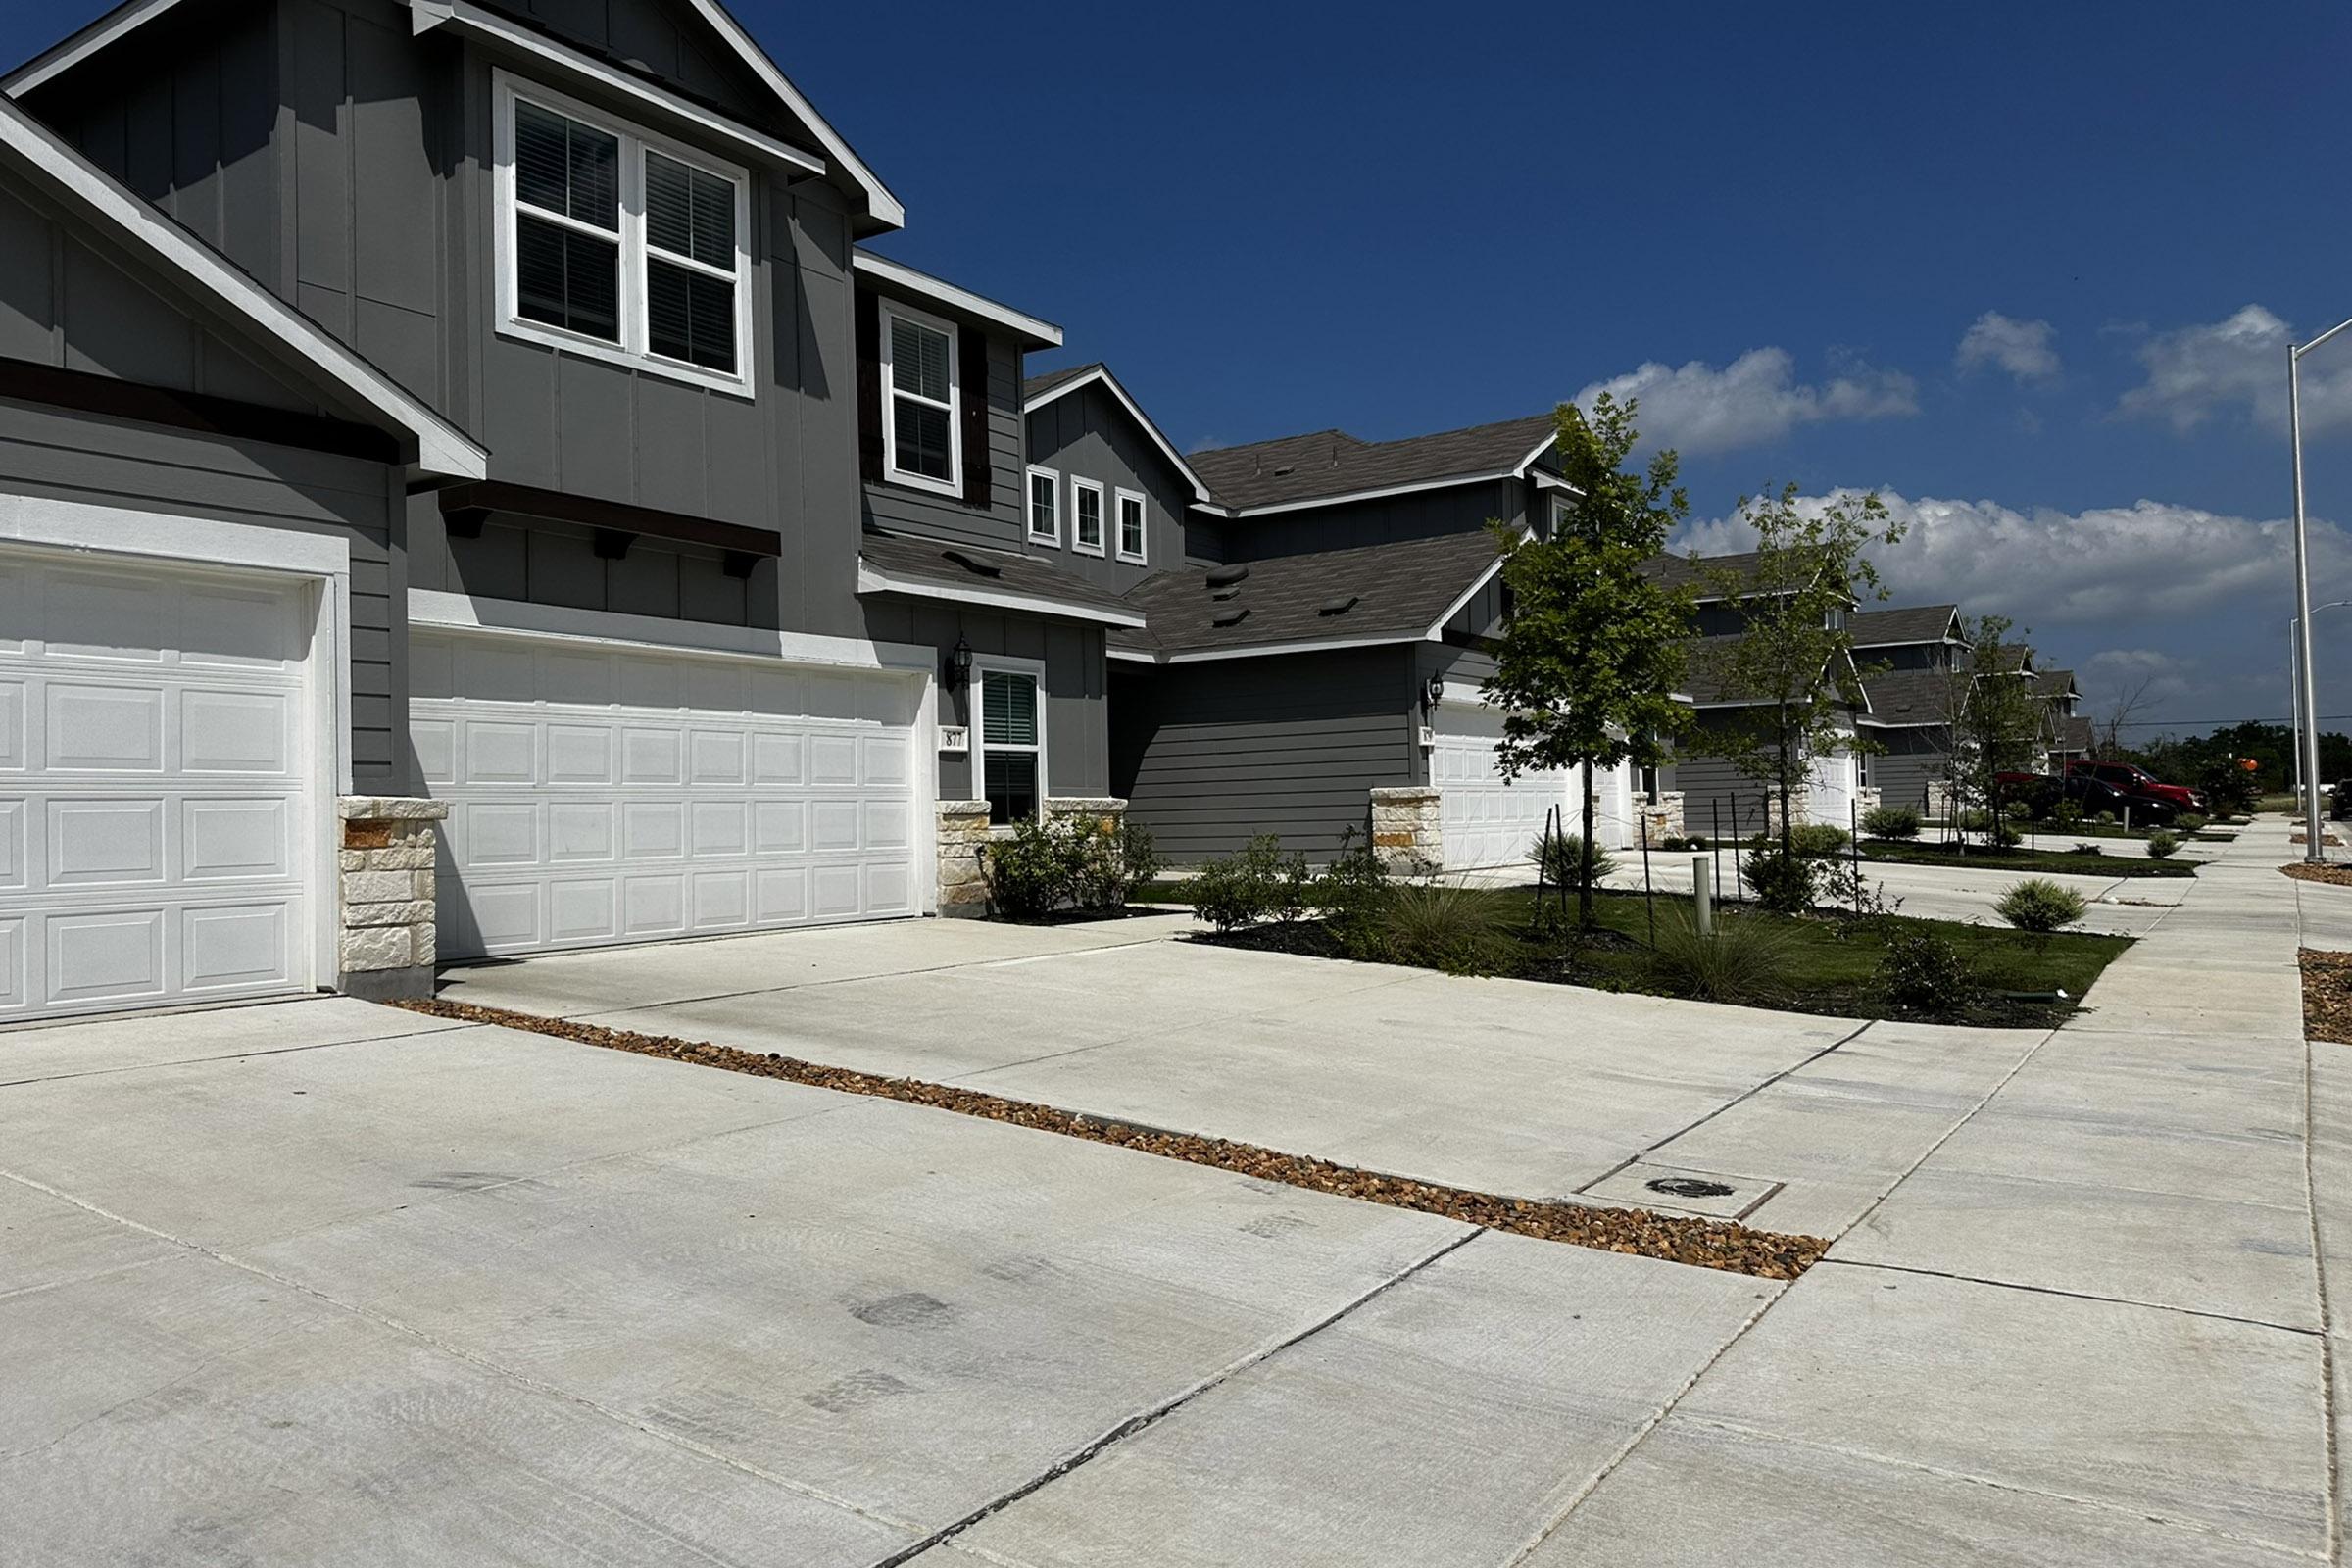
(1154, 1414)
(1991, 1283)
(1896, 1461)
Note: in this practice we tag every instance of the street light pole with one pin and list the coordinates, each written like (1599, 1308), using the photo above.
(2294, 685)
(2313, 849)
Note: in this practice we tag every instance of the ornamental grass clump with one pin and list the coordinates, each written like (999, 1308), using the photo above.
(1559, 858)
(1743, 959)
(1442, 925)
(2162, 843)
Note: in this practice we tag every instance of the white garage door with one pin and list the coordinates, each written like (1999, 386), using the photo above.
(604, 794)
(1483, 821)
(154, 795)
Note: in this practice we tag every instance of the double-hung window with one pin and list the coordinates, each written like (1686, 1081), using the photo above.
(1011, 751)
(1131, 526)
(1086, 517)
(619, 246)
(922, 444)
(1044, 507)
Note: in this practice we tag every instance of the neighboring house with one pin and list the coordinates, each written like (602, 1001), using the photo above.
(1109, 497)
(1909, 657)
(2069, 731)
(720, 541)
(201, 497)
(1325, 635)
(1714, 795)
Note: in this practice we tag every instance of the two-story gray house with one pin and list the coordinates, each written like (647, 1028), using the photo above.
(713, 587)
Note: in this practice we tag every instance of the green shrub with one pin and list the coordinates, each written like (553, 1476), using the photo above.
(1742, 960)
(1781, 883)
(1923, 972)
(1674, 841)
(1352, 893)
(1696, 841)
(1559, 858)
(1975, 820)
(2066, 812)
(2040, 905)
(2105, 820)
(2086, 849)
(2019, 810)
(2162, 843)
(1442, 925)
(1067, 863)
(2188, 822)
(1817, 838)
(1890, 822)
(2006, 837)
(1259, 884)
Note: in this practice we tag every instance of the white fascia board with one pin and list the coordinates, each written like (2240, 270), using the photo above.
(1110, 383)
(514, 617)
(66, 55)
(1527, 464)
(872, 580)
(1323, 645)
(1437, 628)
(1133, 656)
(880, 204)
(1385, 491)
(1545, 479)
(939, 291)
(462, 17)
(443, 451)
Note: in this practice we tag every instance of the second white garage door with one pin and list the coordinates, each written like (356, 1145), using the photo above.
(1483, 819)
(601, 795)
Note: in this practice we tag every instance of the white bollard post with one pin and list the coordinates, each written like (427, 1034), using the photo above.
(1702, 894)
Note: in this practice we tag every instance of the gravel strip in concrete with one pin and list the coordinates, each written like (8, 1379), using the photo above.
(1703, 1243)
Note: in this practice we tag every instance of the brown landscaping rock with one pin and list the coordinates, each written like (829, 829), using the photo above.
(2328, 996)
(1679, 1238)
(2305, 871)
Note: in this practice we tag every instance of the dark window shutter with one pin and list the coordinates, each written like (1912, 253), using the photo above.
(870, 388)
(979, 460)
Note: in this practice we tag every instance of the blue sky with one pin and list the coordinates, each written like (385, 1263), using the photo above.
(1778, 224)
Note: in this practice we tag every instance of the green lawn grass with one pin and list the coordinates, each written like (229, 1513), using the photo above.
(1976, 857)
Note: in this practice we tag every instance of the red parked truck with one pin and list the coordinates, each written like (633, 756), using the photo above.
(2136, 783)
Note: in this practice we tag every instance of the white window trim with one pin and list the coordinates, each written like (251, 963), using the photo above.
(953, 484)
(1141, 555)
(1101, 517)
(633, 350)
(1560, 509)
(1006, 664)
(1029, 508)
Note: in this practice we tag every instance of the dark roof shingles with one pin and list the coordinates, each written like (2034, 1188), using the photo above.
(1902, 626)
(937, 561)
(1401, 588)
(1332, 463)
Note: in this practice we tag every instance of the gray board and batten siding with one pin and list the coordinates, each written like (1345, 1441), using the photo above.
(1086, 433)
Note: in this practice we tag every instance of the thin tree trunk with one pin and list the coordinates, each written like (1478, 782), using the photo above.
(1583, 886)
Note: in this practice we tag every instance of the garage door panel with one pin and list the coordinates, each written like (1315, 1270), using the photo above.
(237, 839)
(103, 729)
(13, 750)
(111, 956)
(235, 946)
(690, 806)
(15, 864)
(435, 743)
(105, 843)
(222, 627)
(499, 754)
(236, 732)
(494, 671)
(582, 911)
(15, 989)
(105, 615)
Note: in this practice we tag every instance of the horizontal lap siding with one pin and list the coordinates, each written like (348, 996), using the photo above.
(1212, 754)
(1902, 772)
(68, 456)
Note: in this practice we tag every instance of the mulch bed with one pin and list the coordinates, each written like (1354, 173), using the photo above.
(2305, 871)
(2305, 838)
(1678, 1238)
(2328, 996)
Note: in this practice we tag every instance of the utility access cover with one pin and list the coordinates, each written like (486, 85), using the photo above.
(1675, 1190)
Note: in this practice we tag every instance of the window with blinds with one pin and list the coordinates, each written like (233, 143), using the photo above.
(619, 246)
(919, 387)
(1010, 748)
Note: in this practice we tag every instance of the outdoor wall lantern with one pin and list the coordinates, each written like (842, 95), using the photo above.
(1433, 692)
(959, 666)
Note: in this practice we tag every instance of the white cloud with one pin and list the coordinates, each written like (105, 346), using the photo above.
(2150, 673)
(2021, 348)
(2047, 568)
(2237, 366)
(1753, 400)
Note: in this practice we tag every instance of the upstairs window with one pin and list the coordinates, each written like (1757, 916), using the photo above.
(1012, 748)
(922, 444)
(1086, 517)
(618, 246)
(1131, 527)
(1044, 507)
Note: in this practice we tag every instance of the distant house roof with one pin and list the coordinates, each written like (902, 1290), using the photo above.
(332, 368)
(1040, 390)
(1331, 465)
(2010, 658)
(1903, 698)
(1904, 625)
(2055, 683)
(879, 209)
(1702, 573)
(940, 568)
(1401, 591)
(1708, 679)
(2074, 734)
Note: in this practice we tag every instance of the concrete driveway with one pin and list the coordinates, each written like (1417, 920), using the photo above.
(327, 1283)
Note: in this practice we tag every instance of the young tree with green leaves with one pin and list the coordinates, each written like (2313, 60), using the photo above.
(1593, 649)
(1794, 656)
(1998, 726)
